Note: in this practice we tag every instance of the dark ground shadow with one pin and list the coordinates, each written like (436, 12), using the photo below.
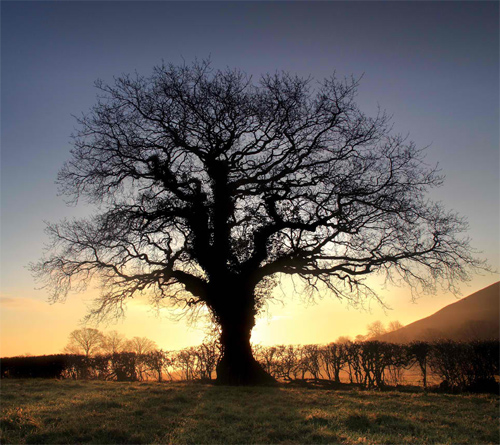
(286, 414)
(174, 413)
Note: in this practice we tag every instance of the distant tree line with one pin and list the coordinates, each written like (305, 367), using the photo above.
(90, 342)
(377, 328)
(194, 363)
(459, 366)
(373, 364)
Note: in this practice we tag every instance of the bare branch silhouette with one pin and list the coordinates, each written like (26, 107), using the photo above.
(211, 188)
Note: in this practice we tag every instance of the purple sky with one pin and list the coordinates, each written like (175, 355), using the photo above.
(433, 65)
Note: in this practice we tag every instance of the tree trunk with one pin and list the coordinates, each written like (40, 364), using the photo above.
(423, 367)
(231, 298)
(236, 317)
(337, 375)
(237, 365)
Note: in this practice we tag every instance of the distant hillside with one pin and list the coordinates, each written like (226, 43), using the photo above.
(473, 317)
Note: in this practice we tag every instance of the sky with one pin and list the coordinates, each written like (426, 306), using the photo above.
(434, 66)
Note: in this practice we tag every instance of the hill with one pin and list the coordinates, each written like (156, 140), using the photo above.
(473, 317)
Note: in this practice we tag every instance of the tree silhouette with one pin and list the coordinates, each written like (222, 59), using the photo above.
(394, 326)
(210, 188)
(86, 340)
(113, 342)
(375, 329)
(140, 345)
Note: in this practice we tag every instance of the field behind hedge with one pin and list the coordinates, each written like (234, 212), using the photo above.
(65, 411)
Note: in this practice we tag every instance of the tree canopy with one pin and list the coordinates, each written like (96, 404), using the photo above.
(211, 187)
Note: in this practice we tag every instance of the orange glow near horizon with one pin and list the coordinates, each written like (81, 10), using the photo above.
(30, 325)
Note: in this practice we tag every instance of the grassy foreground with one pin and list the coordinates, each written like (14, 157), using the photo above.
(51, 411)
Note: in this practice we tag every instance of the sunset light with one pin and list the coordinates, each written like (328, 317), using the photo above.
(282, 196)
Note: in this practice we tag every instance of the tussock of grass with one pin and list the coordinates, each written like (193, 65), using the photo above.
(42, 411)
(21, 420)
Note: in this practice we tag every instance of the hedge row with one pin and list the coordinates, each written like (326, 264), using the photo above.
(124, 366)
(460, 366)
(470, 366)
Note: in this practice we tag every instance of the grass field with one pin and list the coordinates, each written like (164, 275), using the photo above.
(52, 411)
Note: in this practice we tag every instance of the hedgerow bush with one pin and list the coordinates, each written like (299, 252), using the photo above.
(458, 366)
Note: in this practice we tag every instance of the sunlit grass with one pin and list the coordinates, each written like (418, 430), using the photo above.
(51, 411)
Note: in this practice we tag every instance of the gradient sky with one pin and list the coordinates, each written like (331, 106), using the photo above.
(433, 65)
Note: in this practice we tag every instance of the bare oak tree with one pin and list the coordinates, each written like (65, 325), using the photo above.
(394, 326)
(140, 345)
(375, 329)
(211, 187)
(113, 342)
(86, 340)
